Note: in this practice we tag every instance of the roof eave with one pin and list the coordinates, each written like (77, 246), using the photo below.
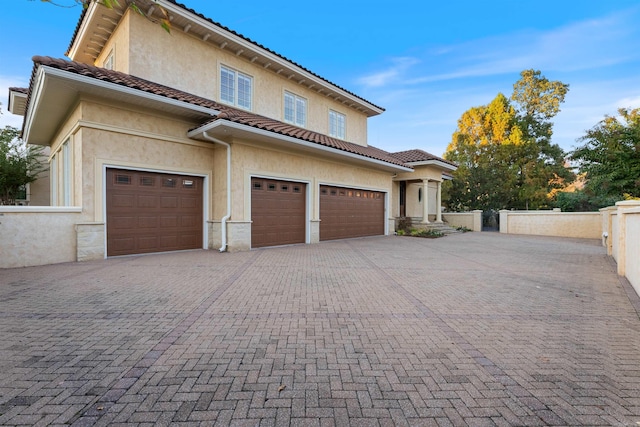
(434, 162)
(17, 102)
(225, 129)
(41, 97)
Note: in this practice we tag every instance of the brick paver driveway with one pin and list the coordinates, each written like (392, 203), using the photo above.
(475, 329)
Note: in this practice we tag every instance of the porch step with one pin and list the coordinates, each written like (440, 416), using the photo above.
(442, 227)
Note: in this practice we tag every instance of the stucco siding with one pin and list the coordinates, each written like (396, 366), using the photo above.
(37, 236)
(112, 137)
(185, 62)
(249, 160)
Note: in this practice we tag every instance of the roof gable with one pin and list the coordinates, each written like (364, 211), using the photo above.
(188, 20)
(416, 156)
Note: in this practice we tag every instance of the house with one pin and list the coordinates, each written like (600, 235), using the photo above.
(203, 138)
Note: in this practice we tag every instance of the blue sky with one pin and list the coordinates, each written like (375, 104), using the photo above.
(425, 62)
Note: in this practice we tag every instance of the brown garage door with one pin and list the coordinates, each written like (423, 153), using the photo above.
(349, 212)
(277, 212)
(152, 212)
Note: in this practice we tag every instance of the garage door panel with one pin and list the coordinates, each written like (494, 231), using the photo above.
(169, 202)
(346, 213)
(168, 221)
(147, 242)
(146, 213)
(124, 222)
(188, 221)
(278, 212)
(147, 201)
(148, 222)
(188, 202)
(121, 243)
(123, 201)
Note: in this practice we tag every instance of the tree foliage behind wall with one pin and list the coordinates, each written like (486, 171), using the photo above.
(19, 164)
(610, 156)
(504, 151)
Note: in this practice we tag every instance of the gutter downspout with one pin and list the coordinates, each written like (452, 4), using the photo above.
(225, 218)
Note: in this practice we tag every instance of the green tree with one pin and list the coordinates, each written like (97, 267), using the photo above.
(610, 156)
(19, 164)
(504, 150)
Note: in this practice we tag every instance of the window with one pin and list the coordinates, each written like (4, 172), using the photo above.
(235, 88)
(122, 179)
(147, 181)
(53, 173)
(295, 109)
(66, 174)
(337, 124)
(108, 62)
(60, 176)
(169, 182)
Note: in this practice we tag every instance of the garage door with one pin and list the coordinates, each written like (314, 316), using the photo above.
(153, 212)
(349, 212)
(277, 212)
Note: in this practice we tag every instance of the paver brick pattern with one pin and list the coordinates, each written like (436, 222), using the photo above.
(476, 329)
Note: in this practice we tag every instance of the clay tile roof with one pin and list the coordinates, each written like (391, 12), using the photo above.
(226, 113)
(271, 125)
(123, 79)
(412, 156)
(182, 6)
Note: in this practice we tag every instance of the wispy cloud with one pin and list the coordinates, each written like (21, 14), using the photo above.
(577, 46)
(424, 99)
(393, 73)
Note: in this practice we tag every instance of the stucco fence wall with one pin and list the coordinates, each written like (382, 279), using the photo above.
(47, 235)
(586, 225)
(470, 220)
(621, 237)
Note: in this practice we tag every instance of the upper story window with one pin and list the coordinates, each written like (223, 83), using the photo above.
(235, 88)
(295, 109)
(108, 62)
(337, 122)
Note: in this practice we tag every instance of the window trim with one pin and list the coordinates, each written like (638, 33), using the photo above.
(295, 99)
(336, 133)
(236, 87)
(110, 60)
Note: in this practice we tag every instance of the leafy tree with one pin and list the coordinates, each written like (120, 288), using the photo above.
(610, 156)
(19, 164)
(582, 201)
(504, 150)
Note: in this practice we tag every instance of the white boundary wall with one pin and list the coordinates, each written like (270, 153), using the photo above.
(586, 225)
(37, 235)
(471, 220)
(621, 237)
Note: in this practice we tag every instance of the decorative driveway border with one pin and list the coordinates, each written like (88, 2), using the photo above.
(477, 329)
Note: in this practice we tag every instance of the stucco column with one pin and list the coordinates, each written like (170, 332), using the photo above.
(439, 202)
(622, 207)
(425, 201)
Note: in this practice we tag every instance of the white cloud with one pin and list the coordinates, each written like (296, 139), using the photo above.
(583, 45)
(392, 74)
